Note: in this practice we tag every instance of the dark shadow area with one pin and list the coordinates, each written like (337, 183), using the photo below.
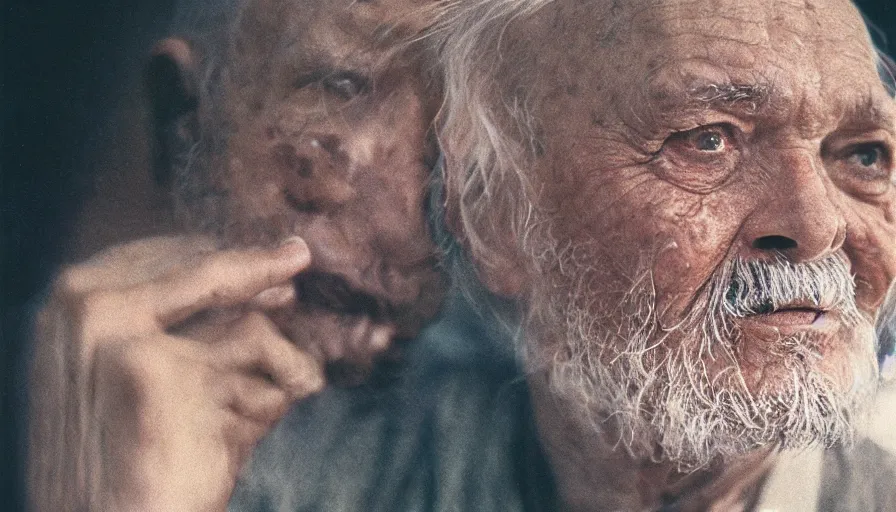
(64, 65)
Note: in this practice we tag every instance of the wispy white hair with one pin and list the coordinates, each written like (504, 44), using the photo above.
(487, 134)
(205, 22)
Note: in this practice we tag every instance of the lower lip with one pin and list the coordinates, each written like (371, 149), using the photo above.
(792, 317)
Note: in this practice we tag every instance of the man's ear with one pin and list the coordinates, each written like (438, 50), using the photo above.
(171, 83)
(500, 271)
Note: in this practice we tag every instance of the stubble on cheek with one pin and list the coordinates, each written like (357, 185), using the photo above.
(685, 238)
(871, 245)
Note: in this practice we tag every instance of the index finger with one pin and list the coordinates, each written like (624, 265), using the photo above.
(132, 263)
(222, 279)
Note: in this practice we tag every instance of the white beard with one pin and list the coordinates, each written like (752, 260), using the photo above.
(654, 385)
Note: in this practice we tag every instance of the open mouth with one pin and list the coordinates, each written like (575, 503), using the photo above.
(350, 351)
(790, 314)
(334, 294)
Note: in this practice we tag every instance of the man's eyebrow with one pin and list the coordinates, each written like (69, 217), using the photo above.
(726, 96)
(695, 93)
(873, 111)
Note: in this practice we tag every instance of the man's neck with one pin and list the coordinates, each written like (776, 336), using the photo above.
(596, 473)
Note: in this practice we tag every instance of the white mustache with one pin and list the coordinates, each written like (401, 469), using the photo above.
(760, 287)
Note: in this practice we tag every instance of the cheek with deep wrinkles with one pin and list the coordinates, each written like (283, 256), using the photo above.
(871, 247)
(648, 223)
(353, 190)
(699, 233)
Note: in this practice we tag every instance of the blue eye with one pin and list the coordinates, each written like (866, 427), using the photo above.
(868, 156)
(870, 161)
(709, 141)
(712, 139)
(866, 168)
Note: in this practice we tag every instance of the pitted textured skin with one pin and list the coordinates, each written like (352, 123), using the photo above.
(617, 94)
(612, 181)
(327, 115)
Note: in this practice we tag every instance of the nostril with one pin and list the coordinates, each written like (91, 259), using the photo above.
(774, 243)
(287, 156)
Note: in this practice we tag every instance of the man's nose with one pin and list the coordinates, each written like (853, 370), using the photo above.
(796, 217)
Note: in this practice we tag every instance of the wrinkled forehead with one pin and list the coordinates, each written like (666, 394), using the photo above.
(337, 29)
(755, 22)
(747, 33)
(812, 55)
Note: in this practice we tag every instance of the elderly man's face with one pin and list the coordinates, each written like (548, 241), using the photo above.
(321, 120)
(715, 174)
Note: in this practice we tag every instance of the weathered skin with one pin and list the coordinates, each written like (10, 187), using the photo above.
(329, 118)
(131, 409)
(623, 167)
(623, 176)
(160, 363)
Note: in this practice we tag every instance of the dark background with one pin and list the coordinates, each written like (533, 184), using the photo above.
(63, 64)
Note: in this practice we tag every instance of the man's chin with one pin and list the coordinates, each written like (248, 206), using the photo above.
(771, 354)
(813, 389)
(781, 398)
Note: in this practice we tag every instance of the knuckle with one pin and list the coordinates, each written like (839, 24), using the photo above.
(100, 313)
(255, 323)
(277, 410)
(251, 329)
(236, 351)
(307, 385)
(302, 378)
(241, 341)
(72, 281)
(216, 273)
(214, 266)
(270, 278)
(99, 302)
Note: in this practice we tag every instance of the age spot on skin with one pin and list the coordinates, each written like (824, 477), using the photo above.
(301, 205)
(332, 145)
(287, 156)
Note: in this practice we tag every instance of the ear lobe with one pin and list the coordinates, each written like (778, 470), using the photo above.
(171, 85)
(499, 271)
(503, 278)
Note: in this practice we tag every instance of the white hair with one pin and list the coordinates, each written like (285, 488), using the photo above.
(489, 134)
(682, 388)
